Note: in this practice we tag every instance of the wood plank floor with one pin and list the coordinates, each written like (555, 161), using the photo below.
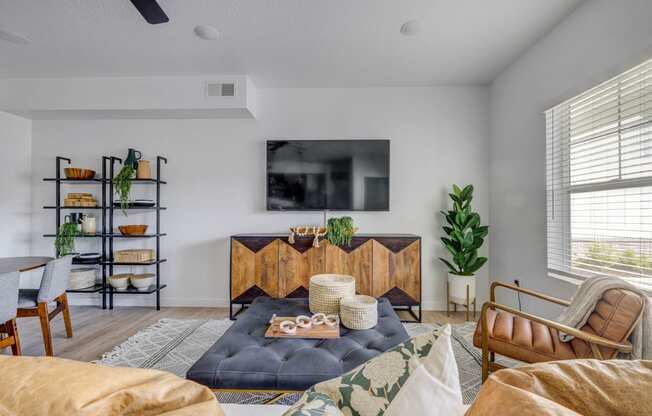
(97, 331)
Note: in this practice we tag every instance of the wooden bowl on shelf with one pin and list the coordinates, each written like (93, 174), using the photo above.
(134, 229)
(79, 173)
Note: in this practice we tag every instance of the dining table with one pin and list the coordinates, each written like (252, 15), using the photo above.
(22, 264)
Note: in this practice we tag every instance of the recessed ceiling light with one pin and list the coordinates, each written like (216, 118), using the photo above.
(207, 32)
(14, 38)
(410, 28)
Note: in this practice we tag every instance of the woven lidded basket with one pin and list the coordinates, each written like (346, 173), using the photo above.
(359, 312)
(326, 290)
(81, 278)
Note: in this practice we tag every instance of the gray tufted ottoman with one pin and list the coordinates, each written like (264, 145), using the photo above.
(244, 359)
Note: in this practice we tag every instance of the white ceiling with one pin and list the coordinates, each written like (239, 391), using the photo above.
(297, 43)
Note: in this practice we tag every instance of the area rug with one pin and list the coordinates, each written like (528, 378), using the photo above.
(174, 345)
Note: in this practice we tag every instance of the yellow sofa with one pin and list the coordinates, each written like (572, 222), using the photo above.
(55, 386)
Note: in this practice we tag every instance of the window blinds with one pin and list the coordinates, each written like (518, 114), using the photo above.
(599, 180)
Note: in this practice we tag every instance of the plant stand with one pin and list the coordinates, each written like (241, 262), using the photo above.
(467, 305)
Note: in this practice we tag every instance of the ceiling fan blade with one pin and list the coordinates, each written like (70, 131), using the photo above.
(151, 11)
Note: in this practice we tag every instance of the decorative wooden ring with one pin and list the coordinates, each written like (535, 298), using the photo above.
(318, 319)
(288, 327)
(331, 320)
(303, 321)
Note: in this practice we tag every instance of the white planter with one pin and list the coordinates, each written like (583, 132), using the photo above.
(457, 288)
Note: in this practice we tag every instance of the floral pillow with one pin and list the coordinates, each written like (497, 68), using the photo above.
(314, 404)
(417, 377)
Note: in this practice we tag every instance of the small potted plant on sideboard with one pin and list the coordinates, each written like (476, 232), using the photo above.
(464, 236)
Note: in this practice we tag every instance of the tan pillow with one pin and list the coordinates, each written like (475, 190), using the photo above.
(573, 387)
(54, 386)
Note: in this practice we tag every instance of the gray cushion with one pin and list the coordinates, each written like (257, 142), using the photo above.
(55, 279)
(8, 295)
(244, 359)
(27, 298)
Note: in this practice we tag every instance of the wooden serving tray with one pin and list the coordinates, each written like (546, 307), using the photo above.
(315, 332)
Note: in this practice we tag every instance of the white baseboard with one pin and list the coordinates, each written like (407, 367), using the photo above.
(150, 300)
(429, 305)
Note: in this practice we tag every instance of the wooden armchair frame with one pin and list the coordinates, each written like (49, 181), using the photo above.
(488, 357)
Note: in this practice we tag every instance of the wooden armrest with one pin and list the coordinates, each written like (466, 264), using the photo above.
(532, 293)
(590, 338)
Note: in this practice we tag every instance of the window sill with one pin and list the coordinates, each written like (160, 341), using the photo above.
(566, 279)
(647, 289)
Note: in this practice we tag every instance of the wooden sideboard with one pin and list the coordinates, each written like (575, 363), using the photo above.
(386, 265)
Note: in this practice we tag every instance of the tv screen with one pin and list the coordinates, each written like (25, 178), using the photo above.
(347, 175)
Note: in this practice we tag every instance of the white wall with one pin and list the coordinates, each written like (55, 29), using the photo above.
(217, 173)
(597, 41)
(15, 185)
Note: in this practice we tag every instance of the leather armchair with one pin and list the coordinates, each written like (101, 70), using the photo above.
(530, 338)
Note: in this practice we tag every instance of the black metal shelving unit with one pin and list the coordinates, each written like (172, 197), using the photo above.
(107, 235)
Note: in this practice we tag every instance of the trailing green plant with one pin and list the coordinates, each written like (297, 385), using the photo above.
(65, 241)
(122, 184)
(464, 233)
(339, 231)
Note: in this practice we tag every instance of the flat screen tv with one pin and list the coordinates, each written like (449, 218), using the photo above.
(313, 175)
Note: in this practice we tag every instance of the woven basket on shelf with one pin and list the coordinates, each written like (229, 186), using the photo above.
(81, 278)
(326, 290)
(359, 312)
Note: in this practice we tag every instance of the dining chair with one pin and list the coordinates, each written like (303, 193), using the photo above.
(34, 302)
(8, 305)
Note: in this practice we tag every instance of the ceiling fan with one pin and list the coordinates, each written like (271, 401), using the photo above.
(151, 11)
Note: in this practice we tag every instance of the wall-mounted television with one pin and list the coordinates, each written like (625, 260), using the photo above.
(315, 175)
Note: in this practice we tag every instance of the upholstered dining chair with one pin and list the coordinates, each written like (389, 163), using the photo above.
(525, 337)
(8, 305)
(34, 302)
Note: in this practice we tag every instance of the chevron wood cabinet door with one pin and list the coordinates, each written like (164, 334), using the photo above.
(297, 263)
(397, 271)
(254, 269)
(355, 261)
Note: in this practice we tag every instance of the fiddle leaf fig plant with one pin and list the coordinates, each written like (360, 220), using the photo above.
(464, 234)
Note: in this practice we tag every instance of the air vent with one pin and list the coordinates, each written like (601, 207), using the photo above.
(220, 90)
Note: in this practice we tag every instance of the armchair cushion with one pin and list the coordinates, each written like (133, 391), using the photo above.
(614, 318)
(522, 339)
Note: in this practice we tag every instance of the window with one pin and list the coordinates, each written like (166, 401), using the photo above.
(599, 181)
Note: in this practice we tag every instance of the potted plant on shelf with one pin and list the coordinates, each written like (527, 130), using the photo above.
(464, 236)
(65, 242)
(122, 181)
(339, 231)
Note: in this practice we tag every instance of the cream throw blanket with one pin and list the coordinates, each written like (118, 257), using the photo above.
(585, 300)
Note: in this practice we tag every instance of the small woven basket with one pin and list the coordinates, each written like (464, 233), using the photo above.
(326, 290)
(359, 312)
